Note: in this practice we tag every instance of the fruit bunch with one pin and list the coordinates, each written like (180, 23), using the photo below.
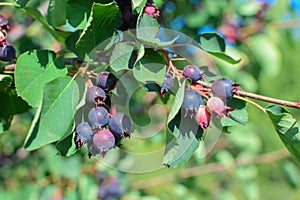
(7, 51)
(105, 128)
(193, 105)
(109, 187)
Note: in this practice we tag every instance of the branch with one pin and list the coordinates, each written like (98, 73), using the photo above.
(259, 97)
(210, 168)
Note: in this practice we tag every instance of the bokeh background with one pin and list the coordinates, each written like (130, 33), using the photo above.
(248, 162)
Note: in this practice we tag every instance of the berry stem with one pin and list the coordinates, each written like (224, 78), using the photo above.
(259, 97)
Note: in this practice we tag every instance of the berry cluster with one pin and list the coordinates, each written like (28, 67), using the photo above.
(105, 129)
(109, 187)
(7, 51)
(193, 104)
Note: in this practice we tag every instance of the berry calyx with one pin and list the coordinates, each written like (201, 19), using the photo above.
(95, 95)
(203, 117)
(191, 100)
(192, 72)
(167, 84)
(103, 141)
(223, 88)
(120, 125)
(98, 117)
(106, 80)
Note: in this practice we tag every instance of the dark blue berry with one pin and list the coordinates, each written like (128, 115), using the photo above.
(83, 133)
(98, 117)
(192, 72)
(95, 95)
(106, 80)
(120, 125)
(7, 53)
(191, 100)
(167, 84)
(223, 88)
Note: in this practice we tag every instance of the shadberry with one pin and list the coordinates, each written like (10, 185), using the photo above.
(95, 95)
(7, 53)
(98, 117)
(223, 88)
(151, 10)
(106, 80)
(203, 117)
(192, 72)
(167, 84)
(83, 134)
(120, 125)
(103, 141)
(216, 106)
(191, 100)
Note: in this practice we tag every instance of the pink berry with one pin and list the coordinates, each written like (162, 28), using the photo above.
(203, 117)
(151, 10)
(216, 106)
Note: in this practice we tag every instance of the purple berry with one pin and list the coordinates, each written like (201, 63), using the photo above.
(167, 84)
(83, 134)
(151, 10)
(216, 106)
(191, 100)
(120, 125)
(95, 95)
(223, 88)
(192, 72)
(7, 53)
(203, 117)
(106, 80)
(98, 117)
(103, 141)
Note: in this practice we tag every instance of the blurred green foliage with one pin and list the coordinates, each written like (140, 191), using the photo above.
(248, 162)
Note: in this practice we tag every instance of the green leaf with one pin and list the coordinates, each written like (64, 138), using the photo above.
(147, 31)
(225, 57)
(57, 12)
(7, 110)
(215, 45)
(78, 12)
(138, 5)
(177, 103)
(35, 13)
(238, 116)
(149, 72)
(212, 42)
(66, 145)
(121, 56)
(22, 3)
(180, 148)
(5, 81)
(287, 129)
(101, 25)
(33, 70)
(60, 99)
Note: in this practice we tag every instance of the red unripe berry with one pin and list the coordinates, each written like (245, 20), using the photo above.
(203, 117)
(151, 10)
